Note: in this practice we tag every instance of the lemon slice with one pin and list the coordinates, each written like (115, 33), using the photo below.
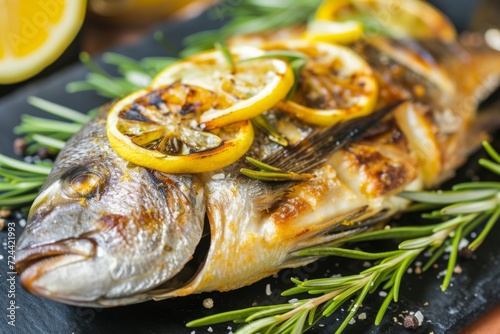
(397, 18)
(335, 85)
(333, 32)
(158, 129)
(246, 90)
(34, 34)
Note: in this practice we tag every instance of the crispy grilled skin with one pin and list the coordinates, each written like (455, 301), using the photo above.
(418, 146)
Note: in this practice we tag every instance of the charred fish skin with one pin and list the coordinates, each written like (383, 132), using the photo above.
(103, 232)
(357, 186)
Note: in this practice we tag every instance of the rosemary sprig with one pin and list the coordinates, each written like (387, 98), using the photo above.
(270, 173)
(473, 204)
(262, 123)
(134, 74)
(41, 132)
(20, 181)
(250, 16)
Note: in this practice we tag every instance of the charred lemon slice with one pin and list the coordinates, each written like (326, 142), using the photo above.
(242, 88)
(397, 18)
(335, 84)
(159, 129)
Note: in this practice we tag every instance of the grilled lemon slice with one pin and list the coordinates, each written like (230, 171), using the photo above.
(335, 84)
(242, 89)
(158, 129)
(333, 32)
(397, 18)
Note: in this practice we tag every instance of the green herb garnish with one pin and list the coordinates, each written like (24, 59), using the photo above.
(471, 208)
(270, 173)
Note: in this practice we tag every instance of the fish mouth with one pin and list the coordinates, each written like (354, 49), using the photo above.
(34, 262)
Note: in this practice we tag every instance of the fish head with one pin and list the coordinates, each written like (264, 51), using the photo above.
(103, 232)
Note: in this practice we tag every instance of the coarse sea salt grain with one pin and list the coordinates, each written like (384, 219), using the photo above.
(268, 289)
(420, 317)
(208, 303)
(210, 329)
(219, 176)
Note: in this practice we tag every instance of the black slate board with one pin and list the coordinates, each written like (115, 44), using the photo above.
(471, 294)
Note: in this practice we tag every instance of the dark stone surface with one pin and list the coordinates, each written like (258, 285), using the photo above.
(471, 294)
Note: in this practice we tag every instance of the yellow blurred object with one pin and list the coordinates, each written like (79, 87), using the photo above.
(34, 34)
(333, 32)
(134, 12)
(399, 18)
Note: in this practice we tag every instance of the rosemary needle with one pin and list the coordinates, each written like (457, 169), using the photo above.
(474, 206)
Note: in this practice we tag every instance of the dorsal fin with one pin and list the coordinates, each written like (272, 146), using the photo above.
(313, 151)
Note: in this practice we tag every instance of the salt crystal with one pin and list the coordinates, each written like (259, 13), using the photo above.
(210, 329)
(293, 300)
(219, 176)
(208, 303)
(362, 316)
(382, 294)
(442, 273)
(268, 289)
(420, 317)
(352, 321)
(463, 243)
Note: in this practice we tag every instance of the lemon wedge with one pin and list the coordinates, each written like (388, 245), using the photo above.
(34, 34)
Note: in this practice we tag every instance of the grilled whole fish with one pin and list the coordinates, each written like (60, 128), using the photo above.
(103, 232)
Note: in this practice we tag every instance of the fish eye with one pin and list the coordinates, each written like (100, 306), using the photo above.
(82, 184)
